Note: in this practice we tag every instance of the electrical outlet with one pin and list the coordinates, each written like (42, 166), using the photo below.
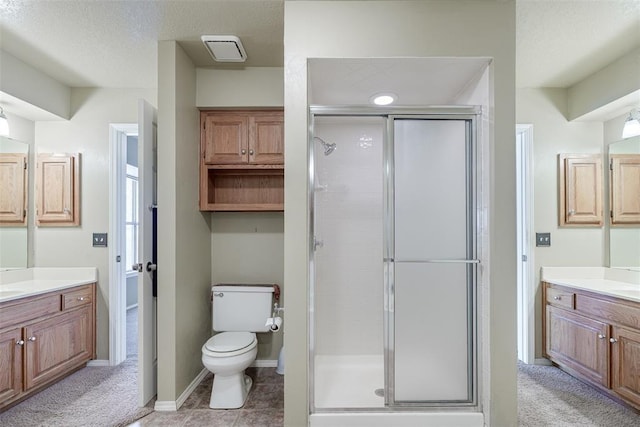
(99, 240)
(543, 239)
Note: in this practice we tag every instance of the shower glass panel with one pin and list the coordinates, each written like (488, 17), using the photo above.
(433, 262)
(347, 262)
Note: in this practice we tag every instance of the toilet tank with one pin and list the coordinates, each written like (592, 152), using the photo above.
(241, 307)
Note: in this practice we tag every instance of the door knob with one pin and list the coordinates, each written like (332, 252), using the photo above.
(151, 266)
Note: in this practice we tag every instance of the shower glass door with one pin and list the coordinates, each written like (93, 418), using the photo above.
(432, 263)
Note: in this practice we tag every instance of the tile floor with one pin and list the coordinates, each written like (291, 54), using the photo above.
(264, 406)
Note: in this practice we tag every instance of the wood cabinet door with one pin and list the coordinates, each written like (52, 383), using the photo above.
(580, 190)
(13, 191)
(55, 345)
(266, 139)
(57, 190)
(225, 138)
(625, 364)
(625, 188)
(579, 343)
(10, 364)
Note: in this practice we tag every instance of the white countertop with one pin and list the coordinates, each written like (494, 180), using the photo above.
(15, 284)
(607, 281)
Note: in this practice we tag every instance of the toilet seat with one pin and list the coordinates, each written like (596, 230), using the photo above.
(227, 344)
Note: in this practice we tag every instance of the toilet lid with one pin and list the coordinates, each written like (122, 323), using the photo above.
(230, 341)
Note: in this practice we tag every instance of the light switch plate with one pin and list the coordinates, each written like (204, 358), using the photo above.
(99, 240)
(543, 239)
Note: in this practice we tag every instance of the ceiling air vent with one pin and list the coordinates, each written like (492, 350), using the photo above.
(225, 48)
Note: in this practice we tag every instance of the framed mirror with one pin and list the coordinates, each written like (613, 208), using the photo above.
(14, 186)
(624, 200)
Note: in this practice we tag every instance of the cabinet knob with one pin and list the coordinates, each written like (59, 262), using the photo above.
(557, 298)
(613, 340)
(81, 298)
(32, 338)
(251, 152)
(243, 151)
(572, 212)
(20, 342)
(600, 336)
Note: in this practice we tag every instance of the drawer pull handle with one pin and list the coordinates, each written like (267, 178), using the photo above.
(557, 298)
(81, 298)
(20, 342)
(613, 340)
(32, 338)
(600, 336)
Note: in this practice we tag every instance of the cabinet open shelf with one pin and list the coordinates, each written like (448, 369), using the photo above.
(242, 189)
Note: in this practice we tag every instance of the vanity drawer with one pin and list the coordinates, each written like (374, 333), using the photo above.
(561, 298)
(19, 311)
(77, 297)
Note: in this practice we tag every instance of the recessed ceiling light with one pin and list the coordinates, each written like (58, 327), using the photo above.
(384, 98)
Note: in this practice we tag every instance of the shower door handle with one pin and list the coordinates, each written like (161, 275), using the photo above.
(436, 261)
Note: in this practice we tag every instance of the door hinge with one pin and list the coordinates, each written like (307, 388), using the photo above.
(611, 165)
(524, 258)
(610, 214)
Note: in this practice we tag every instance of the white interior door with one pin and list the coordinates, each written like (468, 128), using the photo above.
(525, 288)
(147, 355)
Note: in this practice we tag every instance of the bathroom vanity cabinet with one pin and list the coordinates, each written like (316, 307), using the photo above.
(594, 337)
(624, 188)
(580, 190)
(43, 338)
(242, 160)
(58, 190)
(13, 191)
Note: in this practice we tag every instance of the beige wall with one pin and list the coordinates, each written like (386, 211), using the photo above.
(546, 110)
(421, 28)
(87, 132)
(184, 250)
(248, 247)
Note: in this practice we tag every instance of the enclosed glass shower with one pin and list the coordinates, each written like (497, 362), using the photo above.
(393, 259)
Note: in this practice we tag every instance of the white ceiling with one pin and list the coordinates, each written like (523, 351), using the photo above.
(108, 43)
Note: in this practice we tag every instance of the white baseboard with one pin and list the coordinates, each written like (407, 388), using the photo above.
(98, 362)
(168, 405)
(165, 406)
(264, 363)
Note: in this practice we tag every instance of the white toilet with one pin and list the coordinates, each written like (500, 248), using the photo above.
(239, 311)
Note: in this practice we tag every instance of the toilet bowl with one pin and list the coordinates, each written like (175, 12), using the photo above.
(227, 355)
(238, 312)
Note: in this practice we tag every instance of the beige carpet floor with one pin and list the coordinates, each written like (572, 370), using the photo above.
(549, 397)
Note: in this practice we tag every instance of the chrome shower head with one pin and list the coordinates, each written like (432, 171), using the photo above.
(328, 147)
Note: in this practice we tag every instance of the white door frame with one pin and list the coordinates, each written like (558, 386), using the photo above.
(525, 244)
(118, 133)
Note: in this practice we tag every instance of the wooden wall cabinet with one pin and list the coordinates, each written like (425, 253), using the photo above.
(624, 189)
(242, 160)
(580, 190)
(58, 190)
(594, 337)
(43, 339)
(13, 191)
